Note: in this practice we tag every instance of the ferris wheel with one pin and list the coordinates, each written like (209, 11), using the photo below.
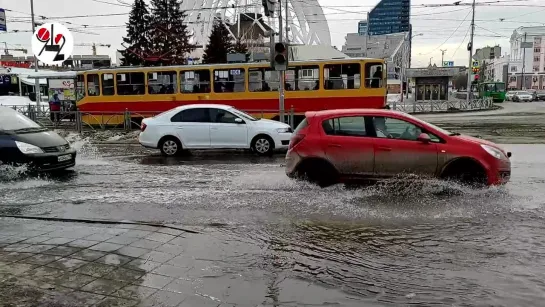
(305, 19)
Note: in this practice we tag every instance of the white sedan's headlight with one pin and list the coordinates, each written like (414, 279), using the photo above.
(28, 148)
(283, 130)
(496, 153)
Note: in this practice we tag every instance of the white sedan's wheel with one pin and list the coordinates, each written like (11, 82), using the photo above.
(170, 147)
(263, 145)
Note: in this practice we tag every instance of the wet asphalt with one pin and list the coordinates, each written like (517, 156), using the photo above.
(424, 243)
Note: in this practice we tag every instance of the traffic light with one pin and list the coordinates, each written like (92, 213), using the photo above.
(280, 59)
(476, 70)
(269, 6)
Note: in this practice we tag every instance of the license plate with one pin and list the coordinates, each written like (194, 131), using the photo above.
(65, 158)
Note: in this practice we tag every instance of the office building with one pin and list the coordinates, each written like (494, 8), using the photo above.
(390, 16)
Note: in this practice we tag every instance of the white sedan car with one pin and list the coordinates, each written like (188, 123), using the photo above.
(212, 126)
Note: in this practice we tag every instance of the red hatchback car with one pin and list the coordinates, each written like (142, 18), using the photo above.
(343, 146)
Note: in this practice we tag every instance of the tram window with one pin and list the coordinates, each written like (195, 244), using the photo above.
(374, 75)
(93, 85)
(263, 80)
(162, 82)
(130, 83)
(229, 80)
(342, 76)
(195, 81)
(80, 87)
(108, 84)
(303, 78)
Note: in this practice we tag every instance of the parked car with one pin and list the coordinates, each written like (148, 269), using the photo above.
(533, 93)
(24, 142)
(523, 96)
(509, 95)
(343, 146)
(541, 95)
(212, 126)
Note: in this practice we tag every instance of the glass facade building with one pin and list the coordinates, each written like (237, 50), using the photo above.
(362, 27)
(390, 16)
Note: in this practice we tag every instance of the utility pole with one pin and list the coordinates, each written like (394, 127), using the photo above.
(430, 60)
(37, 80)
(282, 73)
(287, 24)
(470, 49)
(523, 82)
(443, 56)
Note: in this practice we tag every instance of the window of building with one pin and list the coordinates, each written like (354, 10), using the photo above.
(80, 87)
(229, 80)
(197, 115)
(513, 68)
(195, 81)
(536, 59)
(162, 82)
(108, 84)
(537, 49)
(93, 85)
(263, 80)
(130, 83)
(345, 126)
(342, 76)
(303, 78)
(536, 68)
(374, 75)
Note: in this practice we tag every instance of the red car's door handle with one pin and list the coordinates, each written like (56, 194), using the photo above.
(384, 148)
(333, 145)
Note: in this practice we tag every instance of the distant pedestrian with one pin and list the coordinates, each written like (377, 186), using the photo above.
(54, 107)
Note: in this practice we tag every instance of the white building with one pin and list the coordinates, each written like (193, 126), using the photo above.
(527, 58)
(395, 48)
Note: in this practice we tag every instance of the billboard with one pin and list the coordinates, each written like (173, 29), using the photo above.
(448, 63)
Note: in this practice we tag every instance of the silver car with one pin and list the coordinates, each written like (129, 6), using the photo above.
(523, 96)
(509, 95)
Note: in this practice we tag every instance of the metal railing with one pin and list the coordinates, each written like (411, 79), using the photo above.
(445, 106)
(128, 120)
(102, 120)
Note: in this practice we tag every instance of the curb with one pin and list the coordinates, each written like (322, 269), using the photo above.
(96, 221)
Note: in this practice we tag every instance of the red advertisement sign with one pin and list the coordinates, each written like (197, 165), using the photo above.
(15, 64)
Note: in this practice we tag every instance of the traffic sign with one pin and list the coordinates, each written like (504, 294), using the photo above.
(448, 63)
(475, 64)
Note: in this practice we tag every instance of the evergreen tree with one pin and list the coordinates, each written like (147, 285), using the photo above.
(136, 42)
(169, 35)
(219, 44)
(240, 46)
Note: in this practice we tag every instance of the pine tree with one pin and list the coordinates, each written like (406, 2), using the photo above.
(136, 42)
(240, 46)
(219, 44)
(169, 35)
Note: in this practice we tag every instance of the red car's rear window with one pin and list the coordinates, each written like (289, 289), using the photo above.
(301, 126)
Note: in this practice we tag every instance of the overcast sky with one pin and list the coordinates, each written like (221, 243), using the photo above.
(436, 24)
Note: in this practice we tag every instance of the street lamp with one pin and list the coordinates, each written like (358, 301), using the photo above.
(402, 77)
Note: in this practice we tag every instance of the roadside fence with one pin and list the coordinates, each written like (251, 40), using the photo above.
(128, 120)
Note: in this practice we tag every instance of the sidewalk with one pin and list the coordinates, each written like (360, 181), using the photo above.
(58, 264)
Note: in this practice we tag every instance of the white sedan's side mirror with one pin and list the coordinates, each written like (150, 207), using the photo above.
(239, 121)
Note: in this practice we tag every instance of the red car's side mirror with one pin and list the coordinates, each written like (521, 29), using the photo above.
(424, 138)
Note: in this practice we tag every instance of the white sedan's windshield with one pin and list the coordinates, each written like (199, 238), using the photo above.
(524, 93)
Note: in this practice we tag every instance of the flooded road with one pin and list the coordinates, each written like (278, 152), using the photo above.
(424, 243)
